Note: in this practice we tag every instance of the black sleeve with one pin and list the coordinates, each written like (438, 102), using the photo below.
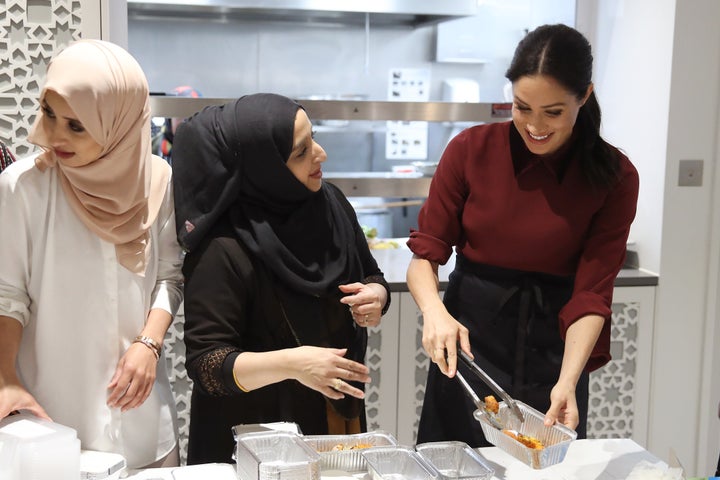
(371, 270)
(217, 289)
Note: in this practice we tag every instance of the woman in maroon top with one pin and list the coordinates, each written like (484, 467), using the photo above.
(538, 210)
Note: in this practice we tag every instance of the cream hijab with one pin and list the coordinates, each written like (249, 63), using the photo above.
(118, 195)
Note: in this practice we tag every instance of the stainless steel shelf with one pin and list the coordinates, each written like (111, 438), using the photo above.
(166, 106)
(363, 184)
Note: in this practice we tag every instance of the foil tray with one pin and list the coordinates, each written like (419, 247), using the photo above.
(455, 460)
(556, 439)
(349, 457)
(398, 462)
(275, 455)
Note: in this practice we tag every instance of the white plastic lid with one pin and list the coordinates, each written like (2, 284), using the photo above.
(26, 427)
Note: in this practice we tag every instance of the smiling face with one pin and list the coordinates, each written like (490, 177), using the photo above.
(68, 139)
(544, 112)
(307, 156)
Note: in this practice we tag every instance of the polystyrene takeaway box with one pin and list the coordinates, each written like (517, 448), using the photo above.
(36, 449)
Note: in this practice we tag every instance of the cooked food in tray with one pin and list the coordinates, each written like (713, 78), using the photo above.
(527, 440)
(359, 446)
(491, 404)
(493, 407)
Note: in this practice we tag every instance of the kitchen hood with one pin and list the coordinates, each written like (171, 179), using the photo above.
(412, 13)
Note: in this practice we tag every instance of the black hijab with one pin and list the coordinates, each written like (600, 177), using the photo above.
(229, 166)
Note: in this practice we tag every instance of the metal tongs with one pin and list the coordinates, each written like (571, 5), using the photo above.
(514, 409)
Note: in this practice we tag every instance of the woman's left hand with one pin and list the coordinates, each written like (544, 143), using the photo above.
(133, 379)
(366, 301)
(563, 407)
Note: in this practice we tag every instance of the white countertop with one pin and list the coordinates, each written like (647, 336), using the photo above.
(612, 459)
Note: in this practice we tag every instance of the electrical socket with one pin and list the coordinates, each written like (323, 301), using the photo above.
(690, 173)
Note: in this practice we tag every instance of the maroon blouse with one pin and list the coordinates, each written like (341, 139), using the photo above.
(533, 214)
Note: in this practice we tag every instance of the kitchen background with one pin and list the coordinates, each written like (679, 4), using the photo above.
(301, 55)
(657, 72)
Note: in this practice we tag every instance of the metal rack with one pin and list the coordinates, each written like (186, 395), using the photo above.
(363, 184)
(167, 106)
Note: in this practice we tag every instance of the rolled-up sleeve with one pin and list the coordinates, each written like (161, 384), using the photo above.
(14, 250)
(602, 258)
(168, 292)
(439, 219)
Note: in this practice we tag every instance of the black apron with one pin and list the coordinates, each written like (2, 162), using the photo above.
(512, 318)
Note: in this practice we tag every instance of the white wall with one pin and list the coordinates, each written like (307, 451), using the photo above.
(632, 45)
(686, 307)
(658, 79)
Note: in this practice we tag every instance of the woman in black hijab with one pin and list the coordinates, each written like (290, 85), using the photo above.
(280, 283)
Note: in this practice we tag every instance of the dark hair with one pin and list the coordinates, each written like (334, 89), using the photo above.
(564, 54)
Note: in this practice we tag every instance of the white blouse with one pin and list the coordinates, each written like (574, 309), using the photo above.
(80, 310)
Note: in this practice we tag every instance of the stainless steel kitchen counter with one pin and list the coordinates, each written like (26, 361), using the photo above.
(394, 263)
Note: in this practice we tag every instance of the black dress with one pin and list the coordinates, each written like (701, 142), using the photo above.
(233, 304)
(512, 318)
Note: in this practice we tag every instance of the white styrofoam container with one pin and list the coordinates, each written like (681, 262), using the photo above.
(32, 448)
(101, 465)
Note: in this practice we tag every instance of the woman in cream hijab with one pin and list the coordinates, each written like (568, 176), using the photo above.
(90, 268)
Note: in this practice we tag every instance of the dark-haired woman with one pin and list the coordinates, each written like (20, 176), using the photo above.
(280, 282)
(538, 210)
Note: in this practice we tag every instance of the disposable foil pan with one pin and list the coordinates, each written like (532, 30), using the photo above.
(343, 452)
(455, 460)
(398, 462)
(275, 456)
(556, 439)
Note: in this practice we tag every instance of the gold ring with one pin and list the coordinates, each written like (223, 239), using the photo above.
(337, 383)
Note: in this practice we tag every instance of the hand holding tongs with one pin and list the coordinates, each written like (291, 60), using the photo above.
(489, 382)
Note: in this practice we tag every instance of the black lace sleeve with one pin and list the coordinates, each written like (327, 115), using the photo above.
(210, 374)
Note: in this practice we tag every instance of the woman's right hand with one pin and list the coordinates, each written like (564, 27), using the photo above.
(327, 371)
(441, 332)
(15, 397)
(441, 336)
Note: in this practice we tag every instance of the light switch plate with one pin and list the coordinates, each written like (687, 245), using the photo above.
(690, 173)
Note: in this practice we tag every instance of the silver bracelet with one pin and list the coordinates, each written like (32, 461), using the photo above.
(150, 343)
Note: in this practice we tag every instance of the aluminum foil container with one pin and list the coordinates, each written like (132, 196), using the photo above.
(343, 452)
(556, 439)
(275, 456)
(398, 462)
(455, 460)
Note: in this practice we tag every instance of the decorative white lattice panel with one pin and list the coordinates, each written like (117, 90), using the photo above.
(181, 383)
(612, 387)
(30, 33)
(372, 391)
